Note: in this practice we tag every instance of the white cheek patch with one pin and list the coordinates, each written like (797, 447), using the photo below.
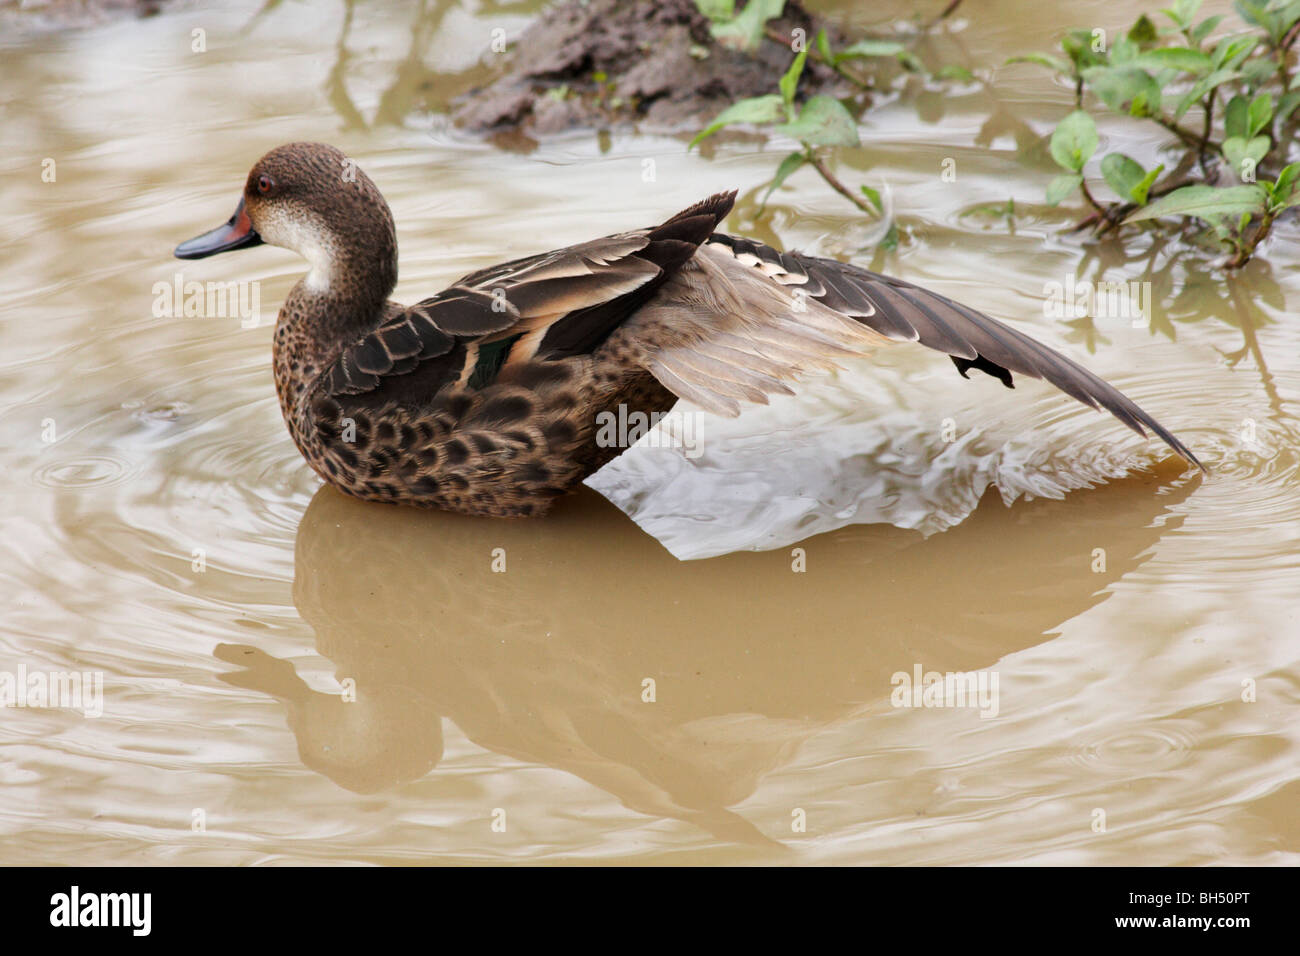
(318, 279)
(308, 240)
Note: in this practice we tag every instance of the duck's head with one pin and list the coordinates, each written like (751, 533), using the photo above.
(309, 197)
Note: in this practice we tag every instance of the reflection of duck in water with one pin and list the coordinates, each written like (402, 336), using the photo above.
(546, 660)
(488, 398)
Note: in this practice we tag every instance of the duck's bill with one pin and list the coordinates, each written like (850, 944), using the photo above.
(236, 234)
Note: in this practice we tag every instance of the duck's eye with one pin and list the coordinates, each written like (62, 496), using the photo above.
(265, 184)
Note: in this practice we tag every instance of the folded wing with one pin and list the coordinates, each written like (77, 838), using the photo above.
(553, 305)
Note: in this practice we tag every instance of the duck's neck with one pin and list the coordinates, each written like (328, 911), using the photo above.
(343, 294)
(342, 298)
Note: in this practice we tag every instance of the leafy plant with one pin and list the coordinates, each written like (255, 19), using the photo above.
(743, 30)
(821, 121)
(746, 29)
(1240, 85)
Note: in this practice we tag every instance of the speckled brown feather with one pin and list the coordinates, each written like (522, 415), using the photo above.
(381, 409)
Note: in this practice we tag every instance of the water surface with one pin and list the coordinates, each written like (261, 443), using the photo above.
(162, 530)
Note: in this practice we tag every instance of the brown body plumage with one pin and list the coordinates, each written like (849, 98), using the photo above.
(486, 398)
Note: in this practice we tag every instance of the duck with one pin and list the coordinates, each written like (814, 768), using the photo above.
(488, 398)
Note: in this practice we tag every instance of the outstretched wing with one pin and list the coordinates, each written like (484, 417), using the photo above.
(553, 305)
(745, 318)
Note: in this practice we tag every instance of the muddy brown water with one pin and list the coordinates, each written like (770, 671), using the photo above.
(161, 531)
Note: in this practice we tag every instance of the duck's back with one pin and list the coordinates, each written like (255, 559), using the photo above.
(487, 398)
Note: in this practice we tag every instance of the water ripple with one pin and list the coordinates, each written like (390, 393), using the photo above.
(84, 472)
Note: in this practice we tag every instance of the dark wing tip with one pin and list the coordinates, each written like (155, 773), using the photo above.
(1090, 388)
(976, 341)
(1074, 379)
(1164, 435)
(1086, 386)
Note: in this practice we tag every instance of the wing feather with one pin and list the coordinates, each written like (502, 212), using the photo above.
(733, 322)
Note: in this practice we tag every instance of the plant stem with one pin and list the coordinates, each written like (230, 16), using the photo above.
(1087, 194)
(1246, 249)
(1112, 216)
(1284, 55)
(948, 11)
(775, 35)
(1205, 132)
(823, 170)
(1189, 138)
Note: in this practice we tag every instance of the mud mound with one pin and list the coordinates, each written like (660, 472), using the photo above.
(649, 62)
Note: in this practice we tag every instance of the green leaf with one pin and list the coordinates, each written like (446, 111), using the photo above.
(790, 82)
(1074, 141)
(1053, 63)
(1062, 186)
(1283, 189)
(759, 109)
(954, 71)
(1202, 87)
(745, 31)
(1174, 58)
(1287, 104)
(1238, 151)
(1259, 113)
(1077, 45)
(1182, 12)
(1258, 71)
(1236, 118)
(788, 166)
(1125, 89)
(1273, 17)
(1252, 13)
(1143, 31)
(890, 242)
(1289, 15)
(1140, 192)
(824, 46)
(1205, 28)
(1204, 202)
(1123, 51)
(717, 10)
(1122, 174)
(910, 61)
(873, 197)
(871, 48)
(1231, 51)
(823, 121)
